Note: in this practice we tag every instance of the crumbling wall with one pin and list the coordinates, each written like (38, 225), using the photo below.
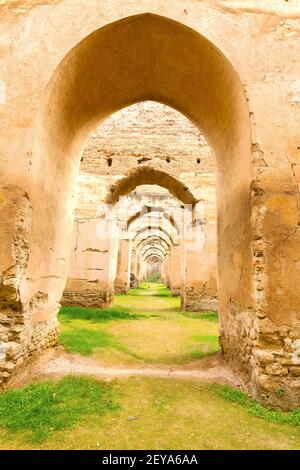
(90, 281)
(19, 337)
(275, 332)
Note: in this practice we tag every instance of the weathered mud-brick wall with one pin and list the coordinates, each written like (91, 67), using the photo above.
(265, 340)
(19, 336)
(122, 280)
(175, 270)
(200, 287)
(93, 264)
(276, 334)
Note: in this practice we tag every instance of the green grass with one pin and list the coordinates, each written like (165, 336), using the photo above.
(204, 345)
(84, 341)
(150, 288)
(95, 315)
(160, 334)
(39, 410)
(154, 278)
(140, 413)
(208, 315)
(81, 413)
(253, 407)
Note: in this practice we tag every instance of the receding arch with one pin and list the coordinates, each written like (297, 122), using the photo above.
(154, 228)
(153, 243)
(145, 219)
(150, 238)
(154, 255)
(149, 210)
(153, 222)
(150, 175)
(153, 248)
(139, 58)
(144, 237)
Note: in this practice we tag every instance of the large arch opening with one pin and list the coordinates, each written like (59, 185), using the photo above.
(136, 227)
(158, 59)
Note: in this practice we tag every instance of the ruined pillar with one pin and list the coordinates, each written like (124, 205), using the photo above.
(175, 274)
(164, 273)
(168, 269)
(200, 290)
(139, 274)
(275, 329)
(122, 281)
(134, 262)
(93, 264)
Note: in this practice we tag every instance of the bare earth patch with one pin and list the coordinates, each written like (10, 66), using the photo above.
(57, 363)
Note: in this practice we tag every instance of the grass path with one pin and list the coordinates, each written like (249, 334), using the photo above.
(144, 327)
(145, 333)
(136, 413)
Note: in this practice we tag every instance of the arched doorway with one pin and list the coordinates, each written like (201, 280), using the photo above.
(144, 57)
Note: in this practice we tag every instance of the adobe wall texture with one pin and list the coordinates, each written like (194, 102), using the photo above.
(258, 199)
(90, 281)
(200, 290)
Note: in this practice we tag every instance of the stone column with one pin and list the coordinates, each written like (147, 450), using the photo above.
(144, 270)
(122, 281)
(93, 264)
(168, 268)
(164, 270)
(139, 268)
(134, 261)
(200, 291)
(183, 261)
(273, 335)
(175, 274)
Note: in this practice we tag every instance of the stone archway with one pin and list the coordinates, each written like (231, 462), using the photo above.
(156, 248)
(149, 175)
(150, 209)
(90, 281)
(158, 59)
(149, 239)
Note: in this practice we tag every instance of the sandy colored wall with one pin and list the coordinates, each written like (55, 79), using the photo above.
(122, 279)
(200, 290)
(93, 264)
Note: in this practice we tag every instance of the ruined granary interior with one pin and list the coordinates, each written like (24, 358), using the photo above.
(153, 139)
